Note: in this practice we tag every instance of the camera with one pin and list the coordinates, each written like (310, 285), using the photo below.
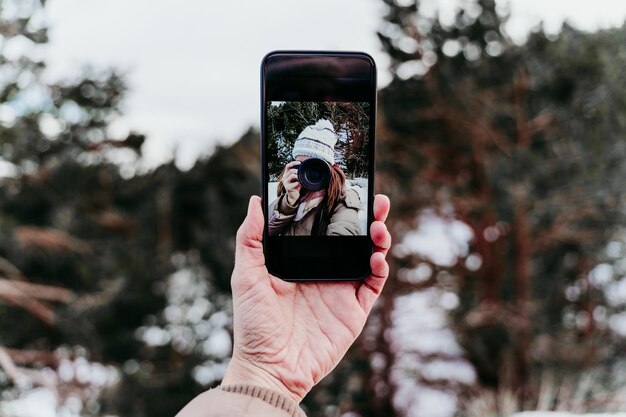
(314, 174)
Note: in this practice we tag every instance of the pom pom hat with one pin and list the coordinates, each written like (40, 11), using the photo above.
(317, 141)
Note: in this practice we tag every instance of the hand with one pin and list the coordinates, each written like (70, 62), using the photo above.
(291, 183)
(288, 336)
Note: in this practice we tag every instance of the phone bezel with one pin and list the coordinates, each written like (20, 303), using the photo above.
(280, 250)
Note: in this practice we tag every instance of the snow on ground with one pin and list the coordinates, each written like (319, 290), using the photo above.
(40, 402)
(271, 192)
(420, 327)
(81, 381)
(427, 353)
(562, 414)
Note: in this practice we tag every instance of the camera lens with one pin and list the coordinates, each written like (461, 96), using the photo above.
(314, 174)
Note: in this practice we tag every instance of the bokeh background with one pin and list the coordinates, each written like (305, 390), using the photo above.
(129, 148)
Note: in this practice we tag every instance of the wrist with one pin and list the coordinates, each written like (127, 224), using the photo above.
(243, 372)
(291, 200)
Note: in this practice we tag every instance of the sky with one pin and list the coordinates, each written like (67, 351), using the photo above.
(193, 66)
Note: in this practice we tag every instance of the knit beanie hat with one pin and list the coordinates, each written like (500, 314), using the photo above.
(318, 141)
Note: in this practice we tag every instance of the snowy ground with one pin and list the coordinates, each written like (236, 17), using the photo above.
(426, 349)
(563, 414)
(358, 184)
(428, 356)
(81, 382)
(434, 355)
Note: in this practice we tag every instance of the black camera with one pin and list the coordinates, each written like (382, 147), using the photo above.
(314, 174)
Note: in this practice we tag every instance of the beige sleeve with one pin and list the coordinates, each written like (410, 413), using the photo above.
(281, 215)
(241, 401)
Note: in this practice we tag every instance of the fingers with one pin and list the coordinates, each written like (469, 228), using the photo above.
(380, 237)
(381, 207)
(249, 248)
(291, 170)
(372, 286)
(291, 177)
(290, 180)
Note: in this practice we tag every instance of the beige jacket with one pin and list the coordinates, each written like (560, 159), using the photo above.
(241, 401)
(288, 220)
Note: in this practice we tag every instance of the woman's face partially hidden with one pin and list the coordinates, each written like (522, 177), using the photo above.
(301, 158)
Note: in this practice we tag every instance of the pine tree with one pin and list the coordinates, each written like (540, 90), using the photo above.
(516, 142)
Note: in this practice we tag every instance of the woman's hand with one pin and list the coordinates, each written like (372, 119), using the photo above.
(291, 183)
(288, 336)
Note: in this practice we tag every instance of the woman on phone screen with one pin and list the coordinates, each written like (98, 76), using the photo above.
(298, 211)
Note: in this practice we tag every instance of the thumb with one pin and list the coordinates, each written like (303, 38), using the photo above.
(249, 248)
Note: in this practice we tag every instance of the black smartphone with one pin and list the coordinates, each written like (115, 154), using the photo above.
(317, 160)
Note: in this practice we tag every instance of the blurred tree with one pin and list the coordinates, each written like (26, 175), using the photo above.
(73, 216)
(286, 120)
(525, 145)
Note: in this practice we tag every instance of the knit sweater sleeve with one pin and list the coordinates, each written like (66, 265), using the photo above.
(241, 400)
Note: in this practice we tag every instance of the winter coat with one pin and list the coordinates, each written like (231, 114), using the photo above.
(302, 219)
(241, 400)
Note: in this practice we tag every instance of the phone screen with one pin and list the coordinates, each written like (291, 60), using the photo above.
(317, 154)
(317, 150)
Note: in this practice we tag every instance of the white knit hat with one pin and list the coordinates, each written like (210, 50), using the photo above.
(318, 141)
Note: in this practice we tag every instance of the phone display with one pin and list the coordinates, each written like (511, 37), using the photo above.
(317, 159)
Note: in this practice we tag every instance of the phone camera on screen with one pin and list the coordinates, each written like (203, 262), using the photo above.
(314, 174)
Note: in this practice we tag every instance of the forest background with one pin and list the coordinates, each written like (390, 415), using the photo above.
(350, 120)
(505, 163)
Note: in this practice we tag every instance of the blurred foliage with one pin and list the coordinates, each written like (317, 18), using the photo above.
(286, 120)
(70, 216)
(523, 143)
(573, 392)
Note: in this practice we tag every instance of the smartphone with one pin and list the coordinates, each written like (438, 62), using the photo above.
(317, 160)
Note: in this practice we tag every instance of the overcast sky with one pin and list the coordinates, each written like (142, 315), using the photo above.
(193, 65)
